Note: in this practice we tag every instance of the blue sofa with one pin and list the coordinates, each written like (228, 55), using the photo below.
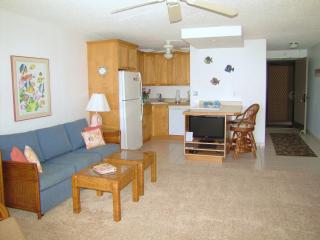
(61, 151)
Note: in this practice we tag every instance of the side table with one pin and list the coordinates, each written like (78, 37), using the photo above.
(136, 158)
(113, 183)
(111, 135)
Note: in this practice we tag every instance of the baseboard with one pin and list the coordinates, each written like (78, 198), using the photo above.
(169, 137)
(313, 136)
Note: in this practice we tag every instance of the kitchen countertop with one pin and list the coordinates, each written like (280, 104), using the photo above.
(167, 102)
(231, 110)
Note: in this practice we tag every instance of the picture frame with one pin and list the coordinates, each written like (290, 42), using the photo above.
(31, 87)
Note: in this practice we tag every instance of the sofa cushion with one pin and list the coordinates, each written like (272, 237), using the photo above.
(103, 151)
(54, 141)
(20, 140)
(54, 173)
(77, 160)
(74, 130)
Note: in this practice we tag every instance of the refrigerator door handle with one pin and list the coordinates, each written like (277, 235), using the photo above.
(139, 76)
(141, 117)
(140, 79)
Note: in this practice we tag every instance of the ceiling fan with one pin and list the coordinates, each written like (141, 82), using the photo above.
(174, 10)
(168, 49)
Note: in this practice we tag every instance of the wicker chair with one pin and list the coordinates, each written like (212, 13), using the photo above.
(242, 139)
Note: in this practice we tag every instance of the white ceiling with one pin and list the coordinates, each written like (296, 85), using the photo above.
(279, 21)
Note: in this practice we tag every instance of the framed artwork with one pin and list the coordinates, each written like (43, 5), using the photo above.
(31, 87)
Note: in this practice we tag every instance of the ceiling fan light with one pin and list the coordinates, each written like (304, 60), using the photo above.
(168, 55)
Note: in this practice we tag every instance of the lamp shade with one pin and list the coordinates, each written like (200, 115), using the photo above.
(98, 103)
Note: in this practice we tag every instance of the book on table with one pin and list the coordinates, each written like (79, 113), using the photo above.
(104, 168)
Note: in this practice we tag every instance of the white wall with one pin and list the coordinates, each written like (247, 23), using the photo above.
(313, 92)
(168, 91)
(246, 84)
(66, 52)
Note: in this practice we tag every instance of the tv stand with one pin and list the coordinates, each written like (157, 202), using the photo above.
(209, 149)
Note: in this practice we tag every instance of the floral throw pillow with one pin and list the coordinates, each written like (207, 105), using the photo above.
(93, 138)
(32, 157)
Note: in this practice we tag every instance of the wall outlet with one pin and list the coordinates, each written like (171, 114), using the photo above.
(195, 93)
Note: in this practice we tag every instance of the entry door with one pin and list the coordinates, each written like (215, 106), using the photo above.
(300, 88)
(280, 94)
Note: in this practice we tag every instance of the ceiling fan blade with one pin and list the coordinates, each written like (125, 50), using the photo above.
(137, 6)
(213, 7)
(174, 13)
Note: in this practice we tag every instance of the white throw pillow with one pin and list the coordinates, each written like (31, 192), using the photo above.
(32, 157)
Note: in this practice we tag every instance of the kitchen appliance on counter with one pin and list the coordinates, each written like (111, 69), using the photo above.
(178, 96)
(131, 109)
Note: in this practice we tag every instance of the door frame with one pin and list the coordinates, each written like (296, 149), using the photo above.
(304, 131)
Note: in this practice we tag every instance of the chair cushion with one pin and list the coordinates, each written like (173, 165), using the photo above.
(77, 160)
(103, 151)
(20, 140)
(54, 173)
(74, 130)
(54, 141)
(242, 127)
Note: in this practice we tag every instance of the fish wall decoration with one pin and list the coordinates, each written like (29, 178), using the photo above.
(214, 81)
(208, 60)
(229, 69)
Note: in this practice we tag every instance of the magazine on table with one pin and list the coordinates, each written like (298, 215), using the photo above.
(104, 168)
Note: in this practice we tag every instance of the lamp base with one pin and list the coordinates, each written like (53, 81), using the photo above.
(96, 120)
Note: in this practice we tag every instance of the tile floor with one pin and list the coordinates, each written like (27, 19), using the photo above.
(266, 156)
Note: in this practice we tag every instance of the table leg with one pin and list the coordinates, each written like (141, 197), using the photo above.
(75, 195)
(154, 171)
(141, 179)
(116, 203)
(135, 186)
(99, 193)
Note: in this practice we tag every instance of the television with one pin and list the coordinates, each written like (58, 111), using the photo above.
(207, 128)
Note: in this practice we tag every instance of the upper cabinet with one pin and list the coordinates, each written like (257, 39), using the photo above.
(156, 70)
(181, 68)
(128, 58)
(148, 69)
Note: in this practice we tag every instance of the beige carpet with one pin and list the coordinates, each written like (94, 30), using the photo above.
(192, 201)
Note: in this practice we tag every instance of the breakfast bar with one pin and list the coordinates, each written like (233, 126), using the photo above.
(206, 132)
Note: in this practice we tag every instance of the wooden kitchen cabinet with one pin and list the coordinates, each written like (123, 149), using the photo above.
(114, 55)
(128, 58)
(147, 122)
(160, 120)
(156, 70)
(149, 74)
(133, 58)
(181, 68)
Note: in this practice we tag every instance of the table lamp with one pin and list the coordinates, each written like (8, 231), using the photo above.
(97, 103)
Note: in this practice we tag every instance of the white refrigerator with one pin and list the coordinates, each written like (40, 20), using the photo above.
(131, 109)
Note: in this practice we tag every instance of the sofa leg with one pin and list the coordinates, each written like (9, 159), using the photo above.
(39, 215)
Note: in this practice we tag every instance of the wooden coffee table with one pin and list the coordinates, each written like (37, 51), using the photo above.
(136, 158)
(113, 183)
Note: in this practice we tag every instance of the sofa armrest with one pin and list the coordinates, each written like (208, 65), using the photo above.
(22, 186)
(19, 171)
